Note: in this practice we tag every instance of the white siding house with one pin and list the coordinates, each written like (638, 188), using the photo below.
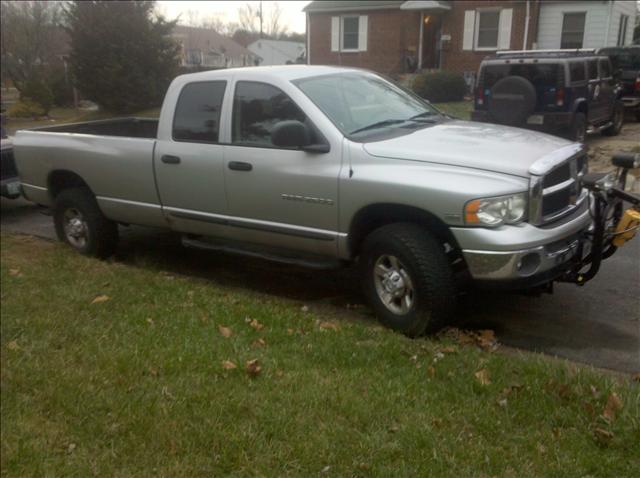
(277, 52)
(590, 24)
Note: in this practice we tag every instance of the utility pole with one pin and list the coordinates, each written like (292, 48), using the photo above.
(261, 19)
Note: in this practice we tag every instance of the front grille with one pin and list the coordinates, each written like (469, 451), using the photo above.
(558, 191)
(7, 165)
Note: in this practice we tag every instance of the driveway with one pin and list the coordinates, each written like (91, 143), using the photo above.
(598, 324)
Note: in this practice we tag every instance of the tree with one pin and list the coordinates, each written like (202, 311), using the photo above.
(122, 56)
(250, 15)
(193, 18)
(29, 42)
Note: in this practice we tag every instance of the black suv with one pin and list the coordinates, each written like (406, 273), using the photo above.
(626, 60)
(564, 92)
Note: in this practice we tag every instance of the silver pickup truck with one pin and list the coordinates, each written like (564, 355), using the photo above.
(323, 166)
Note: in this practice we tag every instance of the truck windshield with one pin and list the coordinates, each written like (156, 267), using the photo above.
(361, 103)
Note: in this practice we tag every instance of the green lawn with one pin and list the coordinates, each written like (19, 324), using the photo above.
(118, 370)
(460, 109)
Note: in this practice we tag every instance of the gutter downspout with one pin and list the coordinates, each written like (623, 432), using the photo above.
(606, 37)
(308, 40)
(527, 18)
(420, 41)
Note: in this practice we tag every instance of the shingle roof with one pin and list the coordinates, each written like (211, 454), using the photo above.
(207, 39)
(350, 5)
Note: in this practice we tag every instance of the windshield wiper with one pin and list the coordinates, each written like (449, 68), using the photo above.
(379, 124)
(424, 116)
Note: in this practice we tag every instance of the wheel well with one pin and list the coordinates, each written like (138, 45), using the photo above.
(374, 216)
(61, 179)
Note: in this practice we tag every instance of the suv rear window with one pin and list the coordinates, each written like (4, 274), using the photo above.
(605, 69)
(593, 69)
(541, 75)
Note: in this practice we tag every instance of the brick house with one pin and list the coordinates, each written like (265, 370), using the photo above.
(395, 37)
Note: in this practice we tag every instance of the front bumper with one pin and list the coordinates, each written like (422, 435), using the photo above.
(524, 255)
(631, 101)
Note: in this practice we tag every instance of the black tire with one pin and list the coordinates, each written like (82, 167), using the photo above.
(100, 235)
(512, 101)
(423, 259)
(617, 120)
(578, 128)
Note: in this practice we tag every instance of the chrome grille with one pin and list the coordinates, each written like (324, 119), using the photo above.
(557, 191)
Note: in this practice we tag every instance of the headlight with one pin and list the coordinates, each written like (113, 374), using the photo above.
(493, 212)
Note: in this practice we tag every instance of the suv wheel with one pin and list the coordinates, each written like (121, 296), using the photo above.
(578, 129)
(617, 120)
(407, 279)
(80, 223)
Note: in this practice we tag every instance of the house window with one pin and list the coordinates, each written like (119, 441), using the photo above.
(622, 30)
(350, 33)
(488, 28)
(193, 57)
(572, 30)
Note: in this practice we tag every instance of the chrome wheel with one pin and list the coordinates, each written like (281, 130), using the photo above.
(393, 284)
(75, 228)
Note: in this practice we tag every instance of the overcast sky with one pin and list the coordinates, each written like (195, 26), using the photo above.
(292, 15)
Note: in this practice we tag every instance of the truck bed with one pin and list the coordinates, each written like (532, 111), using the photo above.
(131, 127)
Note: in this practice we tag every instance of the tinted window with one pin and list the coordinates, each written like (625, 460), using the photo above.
(593, 69)
(605, 69)
(540, 75)
(257, 107)
(197, 116)
(576, 69)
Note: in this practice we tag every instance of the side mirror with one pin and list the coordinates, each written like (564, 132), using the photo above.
(294, 134)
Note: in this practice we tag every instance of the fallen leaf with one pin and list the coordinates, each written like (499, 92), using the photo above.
(304, 308)
(541, 448)
(394, 429)
(483, 377)
(100, 299)
(256, 325)
(258, 343)
(149, 320)
(437, 357)
(636, 377)
(502, 402)
(13, 345)
(228, 365)
(448, 350)
(613, 405)
(15, 273)
(224, 331)
(253, 367)
(71, 447)
(326, 325)
(431, 371)
(325, 469)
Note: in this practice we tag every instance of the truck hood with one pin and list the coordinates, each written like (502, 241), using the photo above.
(468, 144)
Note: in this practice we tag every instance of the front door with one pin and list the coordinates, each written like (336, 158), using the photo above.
(279, 197)
(189, 166)
(430, 41)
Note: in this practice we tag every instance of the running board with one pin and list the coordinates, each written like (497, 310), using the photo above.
(597, 129)
(252, 250)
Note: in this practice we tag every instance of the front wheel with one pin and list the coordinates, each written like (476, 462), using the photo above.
(80, 223)
(407, 279)
(617, 120)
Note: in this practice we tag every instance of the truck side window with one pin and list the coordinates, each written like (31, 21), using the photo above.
(257, 107)
(197, 116)
(605, 69)
(593, 69)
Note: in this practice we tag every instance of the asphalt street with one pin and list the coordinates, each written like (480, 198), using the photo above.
(598, 324)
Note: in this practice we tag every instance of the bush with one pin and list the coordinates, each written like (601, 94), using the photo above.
(440, 86)
(61, 89)
(39, 92)
(25, 108)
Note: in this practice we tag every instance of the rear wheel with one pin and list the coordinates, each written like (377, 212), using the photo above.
(617, 120)
(80, 223)
(578, 129)
(407, 279)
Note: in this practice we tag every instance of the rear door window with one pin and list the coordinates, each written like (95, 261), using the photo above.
(197, 116)
(577, 71)
(605, 69)
(592, 66)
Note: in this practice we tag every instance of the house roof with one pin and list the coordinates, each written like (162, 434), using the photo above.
(350, 5)
(290, 49)
(206, 39)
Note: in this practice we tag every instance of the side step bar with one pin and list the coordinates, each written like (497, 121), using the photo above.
(597, 129)
(269, 254)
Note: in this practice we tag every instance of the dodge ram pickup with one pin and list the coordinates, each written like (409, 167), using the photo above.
(323, 166)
